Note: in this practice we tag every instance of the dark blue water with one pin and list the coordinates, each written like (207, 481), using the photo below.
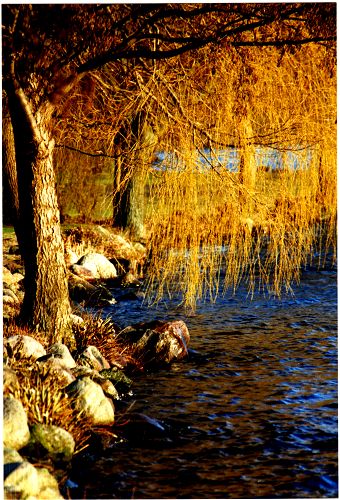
(252, 413)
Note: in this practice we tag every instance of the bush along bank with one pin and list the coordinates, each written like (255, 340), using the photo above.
(59, 403)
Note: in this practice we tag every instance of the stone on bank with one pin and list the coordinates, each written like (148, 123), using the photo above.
(23, 480)
(91, 401)
(16, 433)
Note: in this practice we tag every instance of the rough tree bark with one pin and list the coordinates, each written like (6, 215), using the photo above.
(46, 305)
(9, 169)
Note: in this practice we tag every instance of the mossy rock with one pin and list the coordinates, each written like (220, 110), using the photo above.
(55, 441)
(121, 382)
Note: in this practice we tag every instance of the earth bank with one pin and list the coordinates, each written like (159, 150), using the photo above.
(56, 402)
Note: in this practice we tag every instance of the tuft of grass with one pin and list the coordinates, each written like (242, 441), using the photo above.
(46, 403)
(98, 332)
(104, 334)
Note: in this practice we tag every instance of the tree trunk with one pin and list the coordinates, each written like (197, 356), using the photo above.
(134, 156)
(128, 199)
(46, 305)
(10, 182)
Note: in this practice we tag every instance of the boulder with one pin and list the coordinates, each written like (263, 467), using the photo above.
(77, 320)
(130, 279)
(16, 433)
(81, 371)
(121, 382)
(158, 342)
(61, 352)
(48, 486)
(21, 480)
(7, 276)
(12, 456)
(7, 299)
(92, 358)
(82, 271)
(81, 290)
(90, 399)
(9, 294)
(23, 346)
(57, 442)
(56, 369)
(99, 265)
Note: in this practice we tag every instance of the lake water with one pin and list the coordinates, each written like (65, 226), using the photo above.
(252, 413)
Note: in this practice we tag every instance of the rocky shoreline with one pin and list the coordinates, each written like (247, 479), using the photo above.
(60, 401)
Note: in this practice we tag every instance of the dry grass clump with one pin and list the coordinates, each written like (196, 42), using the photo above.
(104, 334)
(46, 403)
(98, 332)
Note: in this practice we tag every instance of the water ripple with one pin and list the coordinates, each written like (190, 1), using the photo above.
(251, 413)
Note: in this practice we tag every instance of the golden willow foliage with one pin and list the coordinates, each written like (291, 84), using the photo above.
(258, 225)
(208, 227)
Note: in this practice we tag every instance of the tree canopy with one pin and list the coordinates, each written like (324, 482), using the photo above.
(211, 76)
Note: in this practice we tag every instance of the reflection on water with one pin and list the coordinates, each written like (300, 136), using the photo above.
(252, 412)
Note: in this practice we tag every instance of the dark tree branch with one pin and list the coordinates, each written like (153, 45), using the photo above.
(282, 43)
(86, 153)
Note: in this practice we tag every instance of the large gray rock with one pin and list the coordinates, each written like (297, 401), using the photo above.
(121, 382)
(48, 486)
(81, 290)
(55, 368)
(12, 456)
(158, 342)
(108, 387)
(99, 265)
(8, 293)
(90, 399)
(57, 442)
(82, 271)
(62, 353)
(92, 358)
(23, 480)
(23, 346)
(16, 433)
(10, 278)
(77, 320)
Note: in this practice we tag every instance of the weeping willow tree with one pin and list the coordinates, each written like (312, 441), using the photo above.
(247, 182)
(245, 185)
